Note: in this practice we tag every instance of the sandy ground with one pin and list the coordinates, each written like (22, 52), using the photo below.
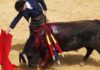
(58, 10)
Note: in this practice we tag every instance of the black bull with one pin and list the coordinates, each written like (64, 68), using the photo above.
(71, 36)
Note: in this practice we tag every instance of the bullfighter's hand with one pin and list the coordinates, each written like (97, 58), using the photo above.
(8, 30)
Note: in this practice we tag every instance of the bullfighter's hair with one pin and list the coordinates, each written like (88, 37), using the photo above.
(19, 4)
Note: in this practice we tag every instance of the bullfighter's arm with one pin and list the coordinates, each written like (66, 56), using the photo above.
(43, 4)
(16, 20)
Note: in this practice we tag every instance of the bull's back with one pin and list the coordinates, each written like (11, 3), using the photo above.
(74, 27)
(65, 32)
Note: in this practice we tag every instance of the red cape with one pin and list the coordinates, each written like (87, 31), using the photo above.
(5, 44)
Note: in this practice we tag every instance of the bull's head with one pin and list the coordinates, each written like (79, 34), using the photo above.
(29, 59)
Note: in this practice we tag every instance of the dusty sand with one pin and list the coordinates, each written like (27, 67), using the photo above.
(58, 10)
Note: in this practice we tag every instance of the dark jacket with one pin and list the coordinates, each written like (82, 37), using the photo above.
(30, 13)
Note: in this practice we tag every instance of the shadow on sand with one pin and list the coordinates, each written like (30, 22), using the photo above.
(17, 47)
(68, 60)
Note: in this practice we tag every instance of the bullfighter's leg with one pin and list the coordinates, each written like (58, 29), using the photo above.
(28, 50)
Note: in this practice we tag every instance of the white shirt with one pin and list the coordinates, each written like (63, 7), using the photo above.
(28, 5)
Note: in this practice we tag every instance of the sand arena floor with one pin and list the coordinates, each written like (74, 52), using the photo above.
(58, 10)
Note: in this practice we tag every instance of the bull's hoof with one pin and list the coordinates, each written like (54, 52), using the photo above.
(82, 63)
(42, 66)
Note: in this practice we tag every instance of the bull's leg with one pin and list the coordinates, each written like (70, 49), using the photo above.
(89, 51)
(45, 61)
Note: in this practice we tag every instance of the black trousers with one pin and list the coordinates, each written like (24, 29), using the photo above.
(29, 46)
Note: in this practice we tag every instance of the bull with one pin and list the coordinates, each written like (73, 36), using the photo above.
(71, 36)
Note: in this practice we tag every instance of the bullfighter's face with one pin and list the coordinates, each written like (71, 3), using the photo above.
(24, 7)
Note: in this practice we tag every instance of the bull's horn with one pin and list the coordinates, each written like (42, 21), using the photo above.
(25, 57)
